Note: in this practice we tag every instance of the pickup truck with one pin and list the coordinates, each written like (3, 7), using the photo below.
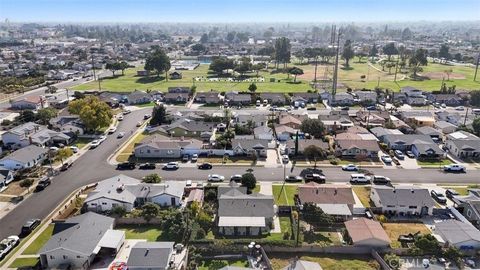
(454, 168)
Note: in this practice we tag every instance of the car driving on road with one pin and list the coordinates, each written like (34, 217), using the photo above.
(381, 180)
(454, 168)
(171, 166)
(94, 144)
(293, 178)
(205, 166)
(350, 167)
(215, 178)
(359, 178)
(120, 135)
(236, 177)
(42, 184)
(314, 177)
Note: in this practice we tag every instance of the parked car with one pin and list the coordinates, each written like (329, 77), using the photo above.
(460, 108)
(454, 168)
(399, 154)
(94, 144)
(65, 166)
(381, 180)
(194, 158)
(450, 193)
(215, 178)
(120, 118)
(146, 116)
(387, 159)
(7, 245)
(285, 159)
(185, 158)
(42, 184)
(293, 178)
(102, 138)
(112, 130)
(437, 196)
(139, 123)
(147, 166)
(368, 214)
(359, 178)
(30, 225)
(126, 111)
(236, 177)
(53, 149)
(317, 178)
(74, 149)
(171, 166)
(410, 154)
(350, 167)
(205, 166)
(126, 166)
(120, 135)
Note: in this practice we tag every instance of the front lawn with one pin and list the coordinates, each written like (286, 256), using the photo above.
(81, 142)
(429, 163)
(211, 264)
(41, 240)
(128, 150)
(150, 232)
(285, 196)
(363, 193)
(329, 262)
(394, 230)
(24, 262)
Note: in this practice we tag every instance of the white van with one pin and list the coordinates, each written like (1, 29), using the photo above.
(476, 111)
(359, 178)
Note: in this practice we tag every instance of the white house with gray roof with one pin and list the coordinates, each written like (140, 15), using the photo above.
(127, 192)
(256, 147)
(76, 242)
(154, 256)
(32, 133)
(155, 147)
(463, 144)
(459, 234)
(24, 158)
(402, 200)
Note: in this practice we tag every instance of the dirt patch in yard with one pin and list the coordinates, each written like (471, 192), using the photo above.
(394, 230)
(441, 75)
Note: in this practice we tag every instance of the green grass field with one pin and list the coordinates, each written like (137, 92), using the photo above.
(151, 233)
(25, 263)
(462, 77)
(286, 196)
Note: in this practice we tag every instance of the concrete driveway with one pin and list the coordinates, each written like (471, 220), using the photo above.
(409, 163)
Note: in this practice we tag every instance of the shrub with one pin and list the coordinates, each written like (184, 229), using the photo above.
(286, 235)
(26, 183)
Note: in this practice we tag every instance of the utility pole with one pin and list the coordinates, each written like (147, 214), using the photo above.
(476, 68)
(335, 74)
(93, 68)
(465, 119)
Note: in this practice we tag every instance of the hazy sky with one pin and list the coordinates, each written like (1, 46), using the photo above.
(238, 10)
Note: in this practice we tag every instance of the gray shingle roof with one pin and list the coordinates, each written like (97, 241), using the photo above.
(405, 195)
(26, 154)
(455, 232)
(150, 254)
(237, 204)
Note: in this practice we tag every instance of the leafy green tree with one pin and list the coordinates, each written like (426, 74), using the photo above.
(26, 116)
(393, 260)
(93, 112)
(153, 178)
(113, 67)
(258, 67)
(313, 127)
(389, 49)
(159, 62)
(204, 38)
(475, 98)
(295, 71)
(198, 48)
(249, 181)
(282, 52)
(64, 153)
(219, 64)
(119, 211)
(476, 126)
(252, 87)
(373, 51)
(444, 52)
(159, 115)
(314, 152)
(418, 59)
(123, 66)
(243, 66)
(348, 52)
(315, 216)
(44, 115)
(428, 244)
(149, 211)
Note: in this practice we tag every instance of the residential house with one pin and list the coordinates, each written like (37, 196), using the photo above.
(237, 99)
(404, 142)
(284, 133)
(414, 96)
(77, 241)
(59, 99)
(451, 100)
(445, 127)
(175, 75)
(274, 98)
(305, 97)
(302, 144)
(336, 122)
(399, 98)
(32, 133)
(155, 256)
(255, 147)
(342, 99)
(211, 97)
(290, 121)
(301, 265)
(156, 147)
(24, 158)
(435, 134)
(176, 98)
(366, 97)
(128, 193)
(245, 214)
(418, 118)
(139, 97)
(427, 151)
(402, 200)
(469, 207)
(263, 132)
(372, 118)
(70, 125)
(195, 195)
(250, 119)
(112, 99)
(365, 232)
(178, 90)
(462, 235)
(29, 103)
(357, 149)
(6, 177)
(189, 128)
(463, 145)
(381, 132)
(335, 200)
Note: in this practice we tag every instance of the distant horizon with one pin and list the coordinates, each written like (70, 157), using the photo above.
(239, 11)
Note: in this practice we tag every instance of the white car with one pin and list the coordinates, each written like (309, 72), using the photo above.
(285, 159)
(102, 138)
(53, 149)
(120, 135)
(112, 130)
(194, 158)
(120, 118)
(139, 123)
(350, 167)
(171, 166)
(387, 159)
(94, 144)
(74, 149)
(215, 178)
(359, 178)
(454, 168)
(7, 244)
(126, 111)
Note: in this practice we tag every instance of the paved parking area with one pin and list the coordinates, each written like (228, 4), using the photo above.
(409, 163)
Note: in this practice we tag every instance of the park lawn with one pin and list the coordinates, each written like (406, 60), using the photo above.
(329, 262)
(211, 264)
(40, 241)
(128, 150)
(151, 233)
(24, 262)
(363, 193)
(286, 197)
(434, 163)
(394, 230)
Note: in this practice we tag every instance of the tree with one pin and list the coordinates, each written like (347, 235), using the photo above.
(159, 115)
(444, 52)
(113, 67)
(230, 36)
(295, 71)
(448, 72)
(315, 216)
(204, 38)
(282, 52)
(123, 66)
(26, 116)
(64, 153)
(476, 125)
(119, 211)
(360, 56)
(313, 127)
(219, 64)
(390, 49)
(252, 87)
(199, 48)
(158, 61)
(153, 178)
(243, 66)
(44, 115)
(314, 152)
(348, 52)
(417, 59)
(373, 51)
(475, 98)
(249, 181)
(458, 57)
(259, 66)
(149, 211)
(93, 112)
(428, 244)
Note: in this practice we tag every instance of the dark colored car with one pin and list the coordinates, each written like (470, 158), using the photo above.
(313, 177)
(29, 226)
(293, 178)
(450, 193)
(65, 166)
(126, 166)
(42, 184)
(147, 166)
(237, 178)
(438, 197)
(205, 166)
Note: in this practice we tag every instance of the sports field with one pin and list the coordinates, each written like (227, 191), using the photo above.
(434, 73)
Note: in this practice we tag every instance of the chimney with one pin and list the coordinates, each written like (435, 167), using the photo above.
(146, 252)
